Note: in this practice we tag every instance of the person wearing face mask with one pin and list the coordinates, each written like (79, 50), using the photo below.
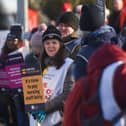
(67, 24)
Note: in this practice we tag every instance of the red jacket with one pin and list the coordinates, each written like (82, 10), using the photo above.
(104, 56)
(123, 15)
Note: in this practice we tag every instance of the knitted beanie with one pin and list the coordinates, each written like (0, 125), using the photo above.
(36, 39)
(15, 33)
(51, 33)
(91, 18)
(70, 19)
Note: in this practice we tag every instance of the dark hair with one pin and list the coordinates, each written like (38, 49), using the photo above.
(6, 50)
(15, 32)
(57, 60)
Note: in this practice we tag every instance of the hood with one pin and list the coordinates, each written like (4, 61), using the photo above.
(104, 56)
(70, 37)
(102, 35)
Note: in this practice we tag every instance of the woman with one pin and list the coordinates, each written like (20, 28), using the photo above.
(56, 71)
(11, 98)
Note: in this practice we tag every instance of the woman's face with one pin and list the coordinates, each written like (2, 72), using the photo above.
(51, 47)
(12, 44)
(65, 30)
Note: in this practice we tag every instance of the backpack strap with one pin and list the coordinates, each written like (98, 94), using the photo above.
(95, 97)
(97, 119)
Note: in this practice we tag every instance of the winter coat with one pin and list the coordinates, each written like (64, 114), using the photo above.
(31, 59)
(75, 103)
(72, 44)
(13, 97)
(90, 43)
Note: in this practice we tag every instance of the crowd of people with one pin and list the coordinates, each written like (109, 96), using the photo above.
(83, 70)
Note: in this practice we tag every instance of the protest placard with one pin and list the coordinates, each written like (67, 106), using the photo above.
(13, 65)
(10, 71)
(32, 87)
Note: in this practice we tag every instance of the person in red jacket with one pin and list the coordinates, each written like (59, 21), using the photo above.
(117, 18)
(107, 64)
(123, 15)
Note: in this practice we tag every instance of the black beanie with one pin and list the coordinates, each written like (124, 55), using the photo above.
(91, 18)
(52, 33)
(70, 19)
(15, 33)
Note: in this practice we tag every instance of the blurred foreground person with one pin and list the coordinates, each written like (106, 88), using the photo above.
(99, 98)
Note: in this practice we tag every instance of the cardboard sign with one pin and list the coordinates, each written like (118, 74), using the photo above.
(32, 87)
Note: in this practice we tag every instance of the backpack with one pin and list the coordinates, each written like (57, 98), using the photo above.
(97, 119)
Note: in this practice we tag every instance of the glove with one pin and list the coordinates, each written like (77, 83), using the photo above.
(34, 114)
(41, 116)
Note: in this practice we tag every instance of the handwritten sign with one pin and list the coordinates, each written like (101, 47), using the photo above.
(32, 87)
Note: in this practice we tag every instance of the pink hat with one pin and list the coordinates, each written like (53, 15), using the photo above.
(36, 39)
